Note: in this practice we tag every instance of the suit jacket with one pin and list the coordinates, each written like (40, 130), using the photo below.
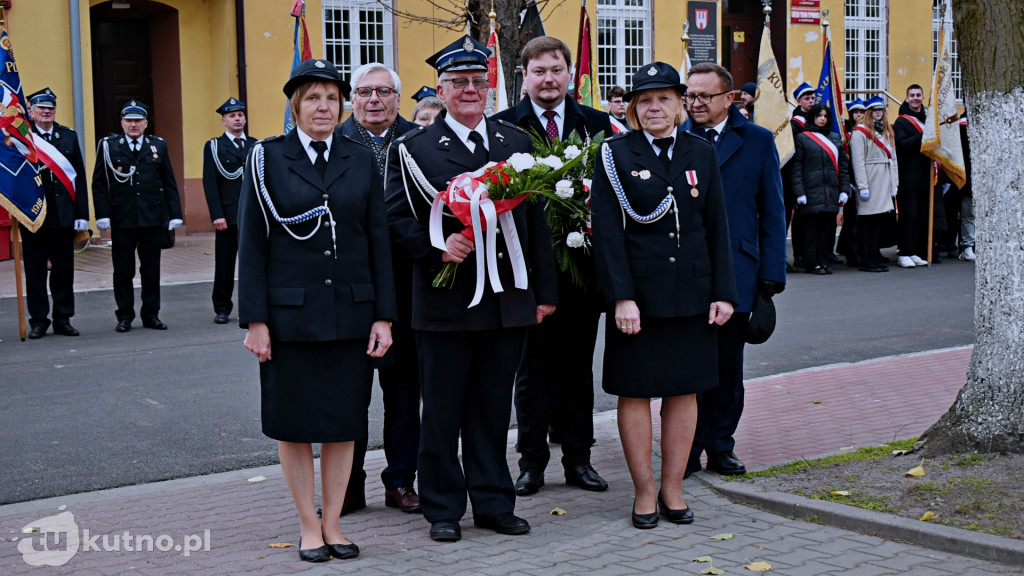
(441, 156)
(752, 182)
(667, 276)
(222, 193)
(61, 210)
(314, 289)
(584, 119)
(144, 199)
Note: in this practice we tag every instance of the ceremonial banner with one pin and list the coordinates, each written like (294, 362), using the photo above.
(21, 188)
(829, 93)
(303, 52)
(941, 140)
(585, 78)
(772, 111)
(497, 96)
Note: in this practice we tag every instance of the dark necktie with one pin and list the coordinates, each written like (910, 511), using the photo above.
(664, 144)
(47, 136)
(552, 127)
(321, 161)
(240, 143)
(134, 146)
(712, 135)
(480, 152)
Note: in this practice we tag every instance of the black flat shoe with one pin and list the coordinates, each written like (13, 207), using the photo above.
(154, 324)
(36, 333)
(683, 516)
(725, 463)
(321, 554)
(644, 521)
(445, 531)
(529, 482)
(343, 551)
(124, 326)
(507, 523)
(222, 318)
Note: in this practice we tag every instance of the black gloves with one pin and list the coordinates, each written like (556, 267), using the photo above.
(770, 287)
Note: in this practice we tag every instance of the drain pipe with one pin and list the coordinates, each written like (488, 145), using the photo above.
(243, 92)
(75, 17)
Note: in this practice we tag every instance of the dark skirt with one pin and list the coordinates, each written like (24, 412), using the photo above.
(316, 391)
(669, 357)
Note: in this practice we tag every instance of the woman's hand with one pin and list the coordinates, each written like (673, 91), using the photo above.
(627, 316)
(458, 248)
(257, 340)
(380, 339)
(720, 313)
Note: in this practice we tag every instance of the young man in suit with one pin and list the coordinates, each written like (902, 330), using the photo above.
(223, 164)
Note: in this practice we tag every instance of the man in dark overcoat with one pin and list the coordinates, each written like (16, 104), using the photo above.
(468, 353)
(915, 180)
(749, 162)
(223, 164)
(67, 212)
(555, 385)
(133, 186)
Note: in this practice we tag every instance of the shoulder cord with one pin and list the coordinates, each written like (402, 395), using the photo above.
(261, 189)
(659, 212)
(121, 177)
(422, 184)
(220, 167)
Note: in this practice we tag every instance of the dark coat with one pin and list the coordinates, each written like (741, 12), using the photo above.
(915, 168)
(441, 156)
(350, 129)
(61, 210)
(752, 183)
(149, 197)
(310, 290)
(666, 276)
(584, 119)
(221, 192)
(815, 176)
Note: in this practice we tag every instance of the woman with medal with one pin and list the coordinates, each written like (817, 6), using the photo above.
(661, 245)
(876, 175)
(316, 294)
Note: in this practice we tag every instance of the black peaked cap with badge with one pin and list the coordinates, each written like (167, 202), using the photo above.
(423, 92)
(316, 71)
(656, 75)
(463, 54)
(232, 105)
(134, 110)
(44, 98)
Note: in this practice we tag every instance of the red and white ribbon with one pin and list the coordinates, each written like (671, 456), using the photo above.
(691, 178)
(827, 145)
(57, 163)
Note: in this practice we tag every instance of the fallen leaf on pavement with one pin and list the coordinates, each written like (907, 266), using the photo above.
(816, 402)
(927, 516)
(280, 545)
(702, 559)
(758, 566)
(840, 493)
(28, 530)
(916, 471)
(712, 570)
(256, 479)
(722, 537)
(558, 512)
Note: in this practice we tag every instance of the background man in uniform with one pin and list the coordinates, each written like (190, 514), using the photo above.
(55, 240)
(468, 356)
(617, 109)
(131, 182)
(749, 163)
(555, 385)
(376, 96)
(223, 164)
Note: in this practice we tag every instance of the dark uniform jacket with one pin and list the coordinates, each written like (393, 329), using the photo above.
(313, 290)
(583, 119)
(667, 276)
(222, 193)
(815, 176)
(914, 167)
(441, 156)
(61, 210)
(146, 198)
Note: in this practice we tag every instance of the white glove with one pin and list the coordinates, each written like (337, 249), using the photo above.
(81, 225)
(103, 223)
(945, 188)
(843, 198)
(892, 192)
(174, 224)
(801, 199)
(864, 193)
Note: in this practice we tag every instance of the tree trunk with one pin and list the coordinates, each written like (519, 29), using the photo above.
(988, 415)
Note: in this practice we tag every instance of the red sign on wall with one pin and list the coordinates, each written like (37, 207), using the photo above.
(807, 3)
(805, 16)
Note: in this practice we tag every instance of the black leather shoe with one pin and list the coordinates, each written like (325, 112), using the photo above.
(584, 476)
(65, 330)
(644, 521)
(507, 523)
(692, 467)
(445, 531)
(155, 324)
(725, 463)
(683, 516)
(404, 498)
(321, 554)
(36, 333)
(124, 326)
(222, 318)
(529, 482)
(343, 551)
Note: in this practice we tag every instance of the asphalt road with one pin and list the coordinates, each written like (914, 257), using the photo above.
(107, 409)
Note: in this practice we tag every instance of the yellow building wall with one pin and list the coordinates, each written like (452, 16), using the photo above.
(668, 16)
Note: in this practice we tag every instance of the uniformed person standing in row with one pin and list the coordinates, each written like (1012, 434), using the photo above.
(132, 183)
(66, 213)
(223, 162)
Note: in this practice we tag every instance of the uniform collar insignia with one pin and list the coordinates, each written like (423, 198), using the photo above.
(500, 137)
(444, 140)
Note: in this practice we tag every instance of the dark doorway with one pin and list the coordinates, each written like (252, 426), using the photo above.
(122, 70)
(742, 26)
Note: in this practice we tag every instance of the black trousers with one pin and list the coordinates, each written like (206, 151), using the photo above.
(719, 409)
(56, 246)
(467, 388)
(913, 218)
(225, 252)
(555, 383)
(868, 228)
(847, 244)
(819, 235)
(125, 242)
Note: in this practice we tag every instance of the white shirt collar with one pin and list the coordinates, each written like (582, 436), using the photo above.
(305, 139)
(232, 137)
(462, 131)
(657, 150)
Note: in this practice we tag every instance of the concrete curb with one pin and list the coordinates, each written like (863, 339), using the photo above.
(935, 536)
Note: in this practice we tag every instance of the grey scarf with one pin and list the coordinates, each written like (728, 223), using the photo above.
(380, 151)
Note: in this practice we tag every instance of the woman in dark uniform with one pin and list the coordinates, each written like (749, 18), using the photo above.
(661, 243)
(316, 294)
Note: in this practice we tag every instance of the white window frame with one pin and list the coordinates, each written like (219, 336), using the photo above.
(629, 49)
(359, 39)
(958, 85)
(866, 45)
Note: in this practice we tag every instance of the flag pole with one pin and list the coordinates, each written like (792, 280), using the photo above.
(16, 244)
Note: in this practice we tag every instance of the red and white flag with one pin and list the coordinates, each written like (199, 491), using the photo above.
(56, 162)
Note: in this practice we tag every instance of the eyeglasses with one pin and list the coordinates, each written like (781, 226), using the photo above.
(382, 91)
(704, 99)
(480, 83)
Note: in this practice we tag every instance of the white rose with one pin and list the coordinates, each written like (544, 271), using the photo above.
(571, 152)
(521, 161)
(575, 240)
(553, 161)
(563, 189)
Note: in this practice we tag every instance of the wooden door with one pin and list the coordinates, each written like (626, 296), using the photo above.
(122, 71)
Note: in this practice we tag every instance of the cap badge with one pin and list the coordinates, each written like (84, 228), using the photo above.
(48, 92)
(653, 71)
(319, 64)
(232, 100)
(467, 44)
